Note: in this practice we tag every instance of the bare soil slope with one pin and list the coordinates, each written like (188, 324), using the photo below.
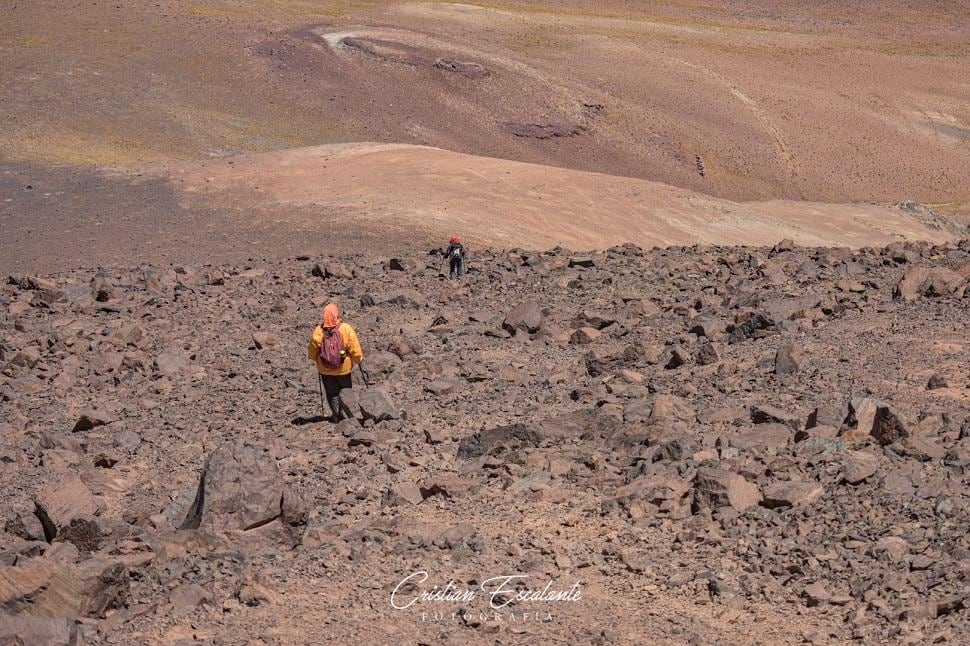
(390, 198)
(839, 101)
(403, 189)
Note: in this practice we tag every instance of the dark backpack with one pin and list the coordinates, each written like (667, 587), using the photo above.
(456, 252)
(332, 348)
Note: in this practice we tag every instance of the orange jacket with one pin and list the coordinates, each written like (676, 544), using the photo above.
(351, 347)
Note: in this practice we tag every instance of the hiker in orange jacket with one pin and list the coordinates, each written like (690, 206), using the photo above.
(334, 349)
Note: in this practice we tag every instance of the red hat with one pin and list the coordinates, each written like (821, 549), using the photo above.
(455, 240)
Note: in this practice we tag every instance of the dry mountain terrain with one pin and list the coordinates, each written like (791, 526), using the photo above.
(838, 102)
(707, 380)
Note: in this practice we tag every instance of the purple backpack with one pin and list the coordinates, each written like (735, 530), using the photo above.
(332, 348)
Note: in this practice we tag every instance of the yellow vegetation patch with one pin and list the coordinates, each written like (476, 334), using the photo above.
(196, 10)
(32, 42)
(68, 147)
(309, 8)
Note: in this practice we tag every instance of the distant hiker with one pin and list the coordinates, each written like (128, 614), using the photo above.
(456, 257)
(335, 349)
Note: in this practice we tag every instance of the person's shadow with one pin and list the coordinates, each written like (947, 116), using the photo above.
(303, 421)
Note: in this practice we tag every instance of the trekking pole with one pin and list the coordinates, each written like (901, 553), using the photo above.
(364, 374)
(323, 408)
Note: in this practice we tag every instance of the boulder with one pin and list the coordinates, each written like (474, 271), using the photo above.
(404, 297)
(678, 357)
(442, 386)
(600, 362)
(769, 414)
(375, 404)
(596, 319)
(26, 358)
(526, 317)
(666, 494)
(887, 427)
(708, 327)
(832, 416)
(403, 493)
(61, 501)
(643, 308)
(858, 466)
(126, 440)
(715, 488)
(922, 281)
(382, 362)
(50, 588)
(26, 525)
(584, 336)
(25, 630)
(494, 440)
(168, 363)
(240, 489)
(264, 340)
(860, 419)
(763, 438)
(668, 408)
(936, 382)
(920, 448)
(331, 269)
(187, 596)
(582, 261)
(815, 594)
(707, 354)
(789, 359)
(448, 486)
(791, 494)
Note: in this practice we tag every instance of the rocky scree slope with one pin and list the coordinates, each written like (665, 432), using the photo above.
(775, 439)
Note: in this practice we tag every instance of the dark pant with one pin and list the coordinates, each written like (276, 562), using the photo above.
(332, 385)
(457, 267)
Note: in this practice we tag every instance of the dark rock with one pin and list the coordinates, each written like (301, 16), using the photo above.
(375, 404)
(707, 355)
(584, 336)
(465, 68)
(240, 489)
(678, 357)
(936, 382)
(768, 414)
(887, 427)
(497, 441)
(526, 317)
(93, 418)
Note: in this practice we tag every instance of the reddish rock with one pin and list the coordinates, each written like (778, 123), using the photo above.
(714, 488)
(61, 501)
(791, 494)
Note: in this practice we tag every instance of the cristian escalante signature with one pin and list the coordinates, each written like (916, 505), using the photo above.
(500, 590)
